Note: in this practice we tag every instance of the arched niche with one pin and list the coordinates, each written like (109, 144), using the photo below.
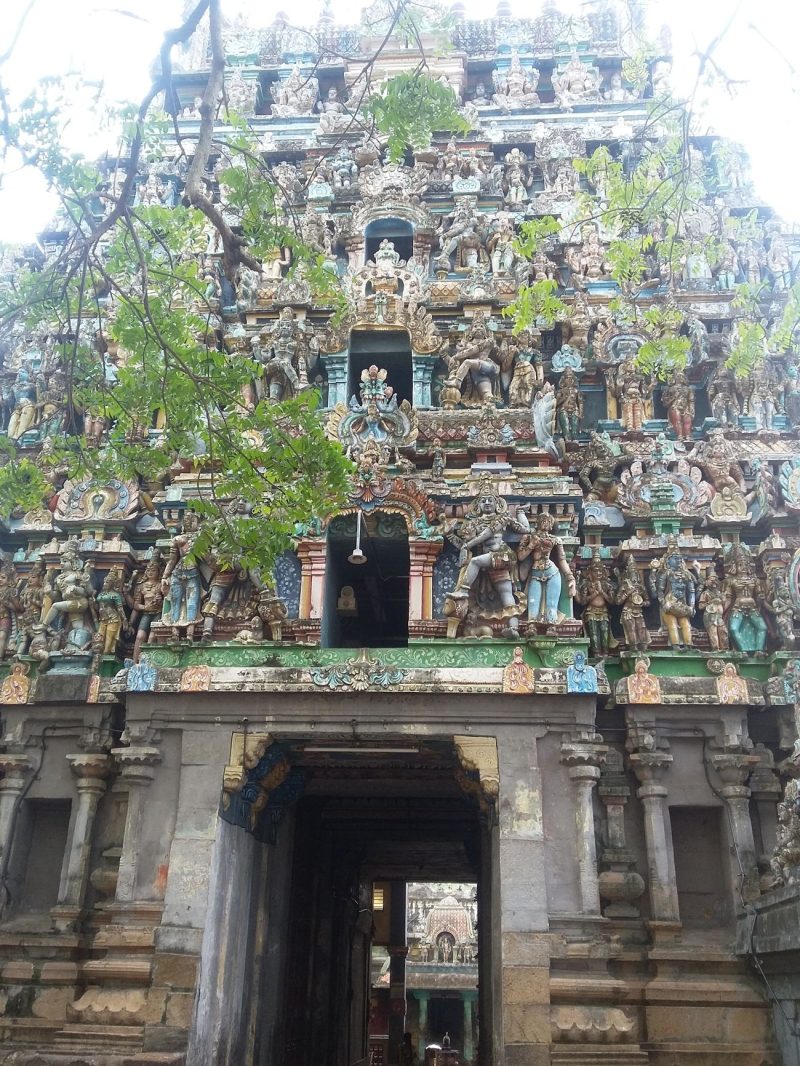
(397, 230)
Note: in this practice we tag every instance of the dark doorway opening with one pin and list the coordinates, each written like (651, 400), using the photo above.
(366, 605)
(396, 230)
(389, 351)
(361, 838)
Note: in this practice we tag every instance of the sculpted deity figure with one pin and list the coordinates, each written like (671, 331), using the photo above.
(616, 93)
(146, 601)
(462, 241)
(643, 687)
(315, 232)
(633, 390)
(483, 528)
(778, 258)
(284, 353)
(181, 584)
(25, 412)
(761, 399)
(783, 610)
(718, 460)
(9, 606)
(678, 398)
(295, 95)
(673, 585)
(712, 604)
(333, 115)
(569, 405)
(633, 598)
(587, 263)
(544, 569)
(72, 611)
(524, 382)
(542, 266)
(581, 677)
(595, 591)
(515, 88)
(723, 397)
(110, 612)
(476, 364)
(344, 169)
(31, 598)
(746, 626)
(503, 255)
(597, 464)
(577, 83)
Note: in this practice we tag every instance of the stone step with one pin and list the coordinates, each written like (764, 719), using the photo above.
(598, 1056)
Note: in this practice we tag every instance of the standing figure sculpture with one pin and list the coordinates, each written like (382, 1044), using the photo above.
(712, 604)
(146, 601)
(110, 612)
(746, 626)
(673, 585)
(596, 592)
(544, 575)
(678, 398)
(633, 598)
(569, 405)
(72, 613)
(181, 583)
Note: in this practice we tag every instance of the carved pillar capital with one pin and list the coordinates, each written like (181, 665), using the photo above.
(16, 770)
(137, 763)
(90, 770)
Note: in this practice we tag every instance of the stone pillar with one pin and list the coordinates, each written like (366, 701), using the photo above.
(336, 367)
(422, 556)
(312, 555)
(620, 884)
(137, 765)
(398, 950)
(733, 769)
(469, 1044)
(765, 790)
(422, 999)
(584, 755)
(422, 374)
(521, 1007)
(16, 769)
(649, 767)
(91, 771)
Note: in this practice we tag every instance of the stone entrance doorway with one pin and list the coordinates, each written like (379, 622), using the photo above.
(287, 968)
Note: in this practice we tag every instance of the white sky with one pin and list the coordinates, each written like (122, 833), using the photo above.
(115, 42)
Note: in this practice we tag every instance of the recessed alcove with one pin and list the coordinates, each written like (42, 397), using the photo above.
(366, 605)
(396, 230)
(390, 350)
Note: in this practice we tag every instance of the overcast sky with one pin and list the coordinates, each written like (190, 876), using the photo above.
(114, 42)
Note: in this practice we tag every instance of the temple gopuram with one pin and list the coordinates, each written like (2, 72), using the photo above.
(501, 767)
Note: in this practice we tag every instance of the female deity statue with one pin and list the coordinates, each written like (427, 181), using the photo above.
(678, 398)
(544, 575)
(110, 611)
(746, 627)
(181, 584)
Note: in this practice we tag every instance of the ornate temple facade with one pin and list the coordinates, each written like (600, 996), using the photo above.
(546, 649)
